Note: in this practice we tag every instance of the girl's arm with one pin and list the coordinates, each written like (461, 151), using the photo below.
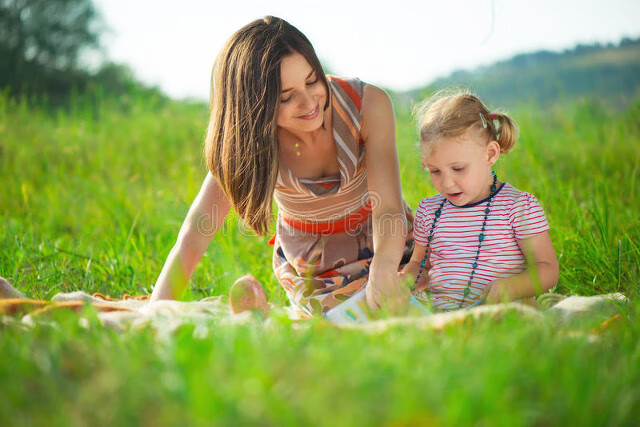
(412, 268)
(541, 275)
(383, 179)
(205, 217)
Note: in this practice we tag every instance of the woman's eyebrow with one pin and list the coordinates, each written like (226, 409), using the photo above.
(290, 89)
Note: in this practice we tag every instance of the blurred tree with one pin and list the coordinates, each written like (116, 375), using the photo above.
(41, 41)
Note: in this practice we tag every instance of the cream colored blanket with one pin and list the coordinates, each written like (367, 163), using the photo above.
(166, 316)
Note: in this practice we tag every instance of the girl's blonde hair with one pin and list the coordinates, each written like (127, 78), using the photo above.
(241, 146)
(451, 114)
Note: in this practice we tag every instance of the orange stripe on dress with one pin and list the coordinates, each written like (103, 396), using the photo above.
(355, 98)
(349, 223)
(349, 90)
(327, 185)
(339, 109)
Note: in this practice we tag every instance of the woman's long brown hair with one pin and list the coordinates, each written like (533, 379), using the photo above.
(241, 146)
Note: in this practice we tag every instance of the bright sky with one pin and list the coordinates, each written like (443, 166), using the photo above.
(396, 44)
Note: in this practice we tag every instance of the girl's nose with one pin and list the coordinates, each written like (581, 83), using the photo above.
(448, 181)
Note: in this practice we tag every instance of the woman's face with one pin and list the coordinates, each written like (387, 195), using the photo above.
(303, 96)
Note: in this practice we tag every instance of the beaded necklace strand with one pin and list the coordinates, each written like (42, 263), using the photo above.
(436, 216)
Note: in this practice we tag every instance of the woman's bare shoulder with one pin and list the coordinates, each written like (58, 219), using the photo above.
(377, 111)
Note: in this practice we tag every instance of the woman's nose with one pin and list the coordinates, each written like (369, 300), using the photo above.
(307, 102)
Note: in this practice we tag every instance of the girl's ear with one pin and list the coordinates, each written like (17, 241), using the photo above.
(493, 152)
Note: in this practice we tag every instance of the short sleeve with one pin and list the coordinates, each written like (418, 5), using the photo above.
(527, 217)
(420, 231)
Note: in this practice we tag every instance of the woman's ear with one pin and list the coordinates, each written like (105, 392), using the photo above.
(493, 152)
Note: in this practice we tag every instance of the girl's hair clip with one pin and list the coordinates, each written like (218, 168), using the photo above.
(494, 116)
(484, 122)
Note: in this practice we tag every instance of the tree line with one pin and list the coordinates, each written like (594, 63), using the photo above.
(42, 43)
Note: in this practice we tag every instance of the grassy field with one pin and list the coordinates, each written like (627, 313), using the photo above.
(93, 198)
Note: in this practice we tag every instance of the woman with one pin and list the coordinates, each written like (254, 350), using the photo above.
(324, 148)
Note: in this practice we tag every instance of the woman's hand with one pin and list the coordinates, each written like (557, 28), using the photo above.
(384, 290)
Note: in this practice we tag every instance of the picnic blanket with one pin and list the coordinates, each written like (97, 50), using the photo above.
(166, 316)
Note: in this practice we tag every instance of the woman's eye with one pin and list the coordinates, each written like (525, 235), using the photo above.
(434, 172)
(312, 82)
(286, 99)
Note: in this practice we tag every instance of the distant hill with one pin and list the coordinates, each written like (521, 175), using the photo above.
(608, 71)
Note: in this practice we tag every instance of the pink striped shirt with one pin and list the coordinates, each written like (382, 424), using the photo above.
(514, 216)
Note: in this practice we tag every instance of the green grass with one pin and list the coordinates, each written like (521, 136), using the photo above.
(93, 198)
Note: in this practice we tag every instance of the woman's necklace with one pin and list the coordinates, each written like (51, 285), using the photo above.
(436, 216)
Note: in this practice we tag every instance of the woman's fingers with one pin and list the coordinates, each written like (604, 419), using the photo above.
(373, 297)
(394, 299)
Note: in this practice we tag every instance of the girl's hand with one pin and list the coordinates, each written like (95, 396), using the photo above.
(412, 268)
(384, 290)
(496, 292)
(408, 275)
(408, 281)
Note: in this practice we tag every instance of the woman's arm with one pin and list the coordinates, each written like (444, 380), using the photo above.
(205, 217)
(383, 180)
(541, 275)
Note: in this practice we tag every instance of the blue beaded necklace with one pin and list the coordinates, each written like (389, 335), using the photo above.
(436, 216)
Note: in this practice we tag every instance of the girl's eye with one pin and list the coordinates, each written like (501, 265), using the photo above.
(434, 172)
(312, 82)
(458, 169)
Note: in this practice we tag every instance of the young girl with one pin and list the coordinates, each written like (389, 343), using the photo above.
(479, 237)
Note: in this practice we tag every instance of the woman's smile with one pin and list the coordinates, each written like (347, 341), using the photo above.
(312, 115)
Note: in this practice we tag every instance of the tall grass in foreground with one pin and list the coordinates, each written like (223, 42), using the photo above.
(92, 199)
(505, 373)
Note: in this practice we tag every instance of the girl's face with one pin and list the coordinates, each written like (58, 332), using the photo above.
(303, 96)
(460, 167)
